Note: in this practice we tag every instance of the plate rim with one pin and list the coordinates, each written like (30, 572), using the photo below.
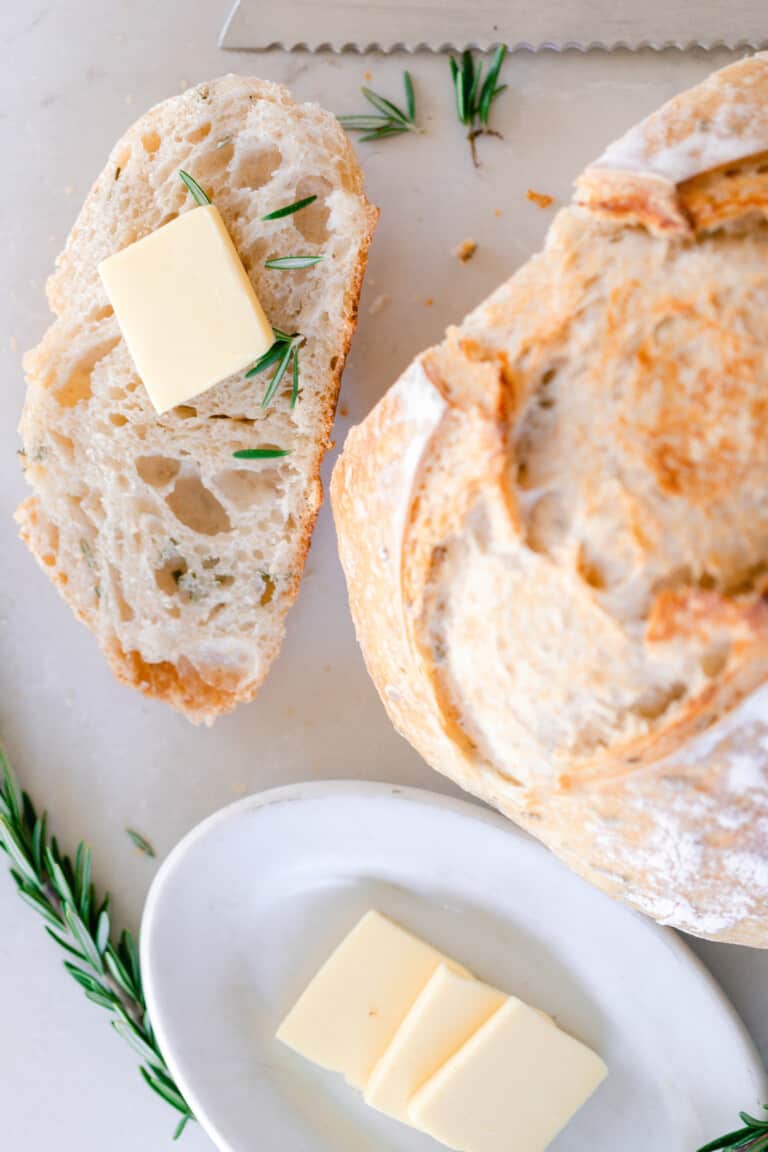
(327, 789)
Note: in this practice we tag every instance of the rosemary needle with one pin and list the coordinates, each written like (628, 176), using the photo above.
(289, 209)
(289, 262)
(141, 842)
(389, 120)
(261, 453)
(194, 188)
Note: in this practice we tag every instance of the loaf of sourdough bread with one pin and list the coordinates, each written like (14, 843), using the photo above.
(182, 559)
(554, 526)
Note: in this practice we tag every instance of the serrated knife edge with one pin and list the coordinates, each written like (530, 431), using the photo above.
(607, 27)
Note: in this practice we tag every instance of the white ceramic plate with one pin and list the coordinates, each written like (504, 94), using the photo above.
(248, 906)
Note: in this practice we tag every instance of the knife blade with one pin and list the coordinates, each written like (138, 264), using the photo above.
(437, 25)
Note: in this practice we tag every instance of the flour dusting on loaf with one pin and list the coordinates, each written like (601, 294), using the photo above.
(182, 559)
(573, 621)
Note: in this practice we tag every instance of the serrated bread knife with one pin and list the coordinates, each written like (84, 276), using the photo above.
(435, 25)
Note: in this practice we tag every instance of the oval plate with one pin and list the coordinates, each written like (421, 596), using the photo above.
(248, 906)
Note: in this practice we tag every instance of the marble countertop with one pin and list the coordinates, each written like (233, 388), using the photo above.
(101, 758)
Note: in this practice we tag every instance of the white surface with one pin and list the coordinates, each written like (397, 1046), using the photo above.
(257, 898)
(72, 77)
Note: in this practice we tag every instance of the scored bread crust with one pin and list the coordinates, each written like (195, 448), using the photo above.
(554, 526)
(182, 560)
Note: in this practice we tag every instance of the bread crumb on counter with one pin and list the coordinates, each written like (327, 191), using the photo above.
(380, 302)
(498, 212)
(13, 344)
(428, 302)
(541, 199)
(343, 411)
(466, 250)
(367, 76)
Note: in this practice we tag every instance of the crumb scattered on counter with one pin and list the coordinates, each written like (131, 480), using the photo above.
(466, 250)
(13, 344)
(344, 411)
(497, 212)
(367, 76)
(129, 97)
(428, 302)
(380, 302)
(541, 199)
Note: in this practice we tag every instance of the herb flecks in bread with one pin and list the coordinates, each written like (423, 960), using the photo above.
(124, 499)
(554, 527)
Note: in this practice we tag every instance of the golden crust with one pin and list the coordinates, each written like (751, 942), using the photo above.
(555, 537)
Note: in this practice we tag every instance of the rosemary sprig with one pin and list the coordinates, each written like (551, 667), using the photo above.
(290, 262)
(289, 209)
(194, 188)
(63, 893)
(261, 453)
(390, 120)
(140, 841)
(474, 96)
(284, 353)
(753, 1137)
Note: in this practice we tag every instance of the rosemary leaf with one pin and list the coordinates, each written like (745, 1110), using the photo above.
(381, 133)
(269, 357)
(289, 209)
(386, 107)
(261, 453)
(171, 1096)
(364, 123)
(282, 263)
(141, 842)
(274, 383)
(410, 99)
(295, 383)
(194, 188)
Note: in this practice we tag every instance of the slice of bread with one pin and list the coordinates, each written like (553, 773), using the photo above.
(183, 560)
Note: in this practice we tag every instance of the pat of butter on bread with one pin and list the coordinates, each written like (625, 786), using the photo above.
(186, 308)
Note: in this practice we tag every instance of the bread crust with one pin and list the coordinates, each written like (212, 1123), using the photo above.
(458, 589)
(201, 689)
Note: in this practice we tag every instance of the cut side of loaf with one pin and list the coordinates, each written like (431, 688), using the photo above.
(554, 526)
(182, 559)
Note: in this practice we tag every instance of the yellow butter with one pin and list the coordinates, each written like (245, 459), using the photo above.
(186, 308)
(351, 1010)
(448, 1012)
(516, 1082)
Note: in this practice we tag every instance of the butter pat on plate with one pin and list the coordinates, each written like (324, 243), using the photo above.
(186, 307)
(448, 1012)
(516, 1083)
(351, 1010)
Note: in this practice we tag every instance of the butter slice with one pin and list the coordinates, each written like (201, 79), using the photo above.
(448, 1012)
(186, 308)
(516, 1083)
(349, 1013)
